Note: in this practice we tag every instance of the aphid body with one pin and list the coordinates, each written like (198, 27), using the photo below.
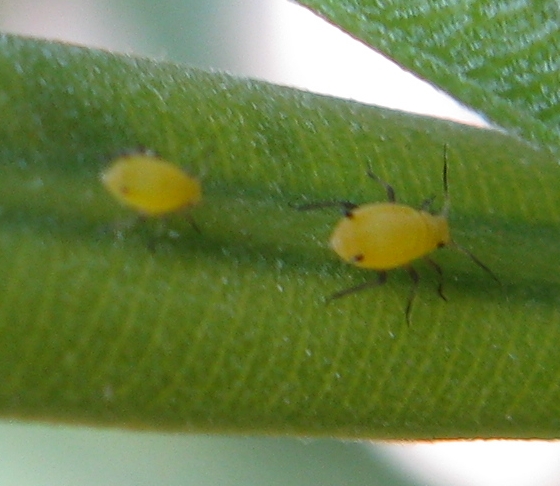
(383, 236)
(150, 185)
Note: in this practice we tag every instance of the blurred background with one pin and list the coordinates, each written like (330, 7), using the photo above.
(283, 43)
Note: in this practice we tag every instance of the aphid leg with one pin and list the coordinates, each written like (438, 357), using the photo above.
(439, 272)
(157, 235)
(192, 222)
(427, 203)
(415, 279)
(346, 206)
(119, 228)
(382, 278)
(475, 260)
(151, 245)
(388, 187)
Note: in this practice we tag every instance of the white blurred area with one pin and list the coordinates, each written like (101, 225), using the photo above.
(479, 463)
(289, 45)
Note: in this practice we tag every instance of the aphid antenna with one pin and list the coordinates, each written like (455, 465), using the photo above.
(446, 198)
(445, 212)
(475, 259)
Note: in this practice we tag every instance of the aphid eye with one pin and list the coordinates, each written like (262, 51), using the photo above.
(358, 258)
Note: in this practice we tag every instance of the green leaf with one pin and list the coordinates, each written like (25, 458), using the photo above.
(499, 57)
(227, 330)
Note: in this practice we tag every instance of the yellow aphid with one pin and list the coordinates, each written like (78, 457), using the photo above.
(151, 185)
(383, 236)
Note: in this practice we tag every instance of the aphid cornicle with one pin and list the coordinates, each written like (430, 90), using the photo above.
(384, 236)
(150, 185)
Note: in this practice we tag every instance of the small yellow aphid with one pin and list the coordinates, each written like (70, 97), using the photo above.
(150, 185)
(383, 236)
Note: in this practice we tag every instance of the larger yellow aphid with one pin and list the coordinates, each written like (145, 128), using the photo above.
(383, 236)
(150, 185)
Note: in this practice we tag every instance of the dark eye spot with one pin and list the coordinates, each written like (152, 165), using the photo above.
(358, 258)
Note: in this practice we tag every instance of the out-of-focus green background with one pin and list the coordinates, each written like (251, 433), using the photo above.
(240, 36)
